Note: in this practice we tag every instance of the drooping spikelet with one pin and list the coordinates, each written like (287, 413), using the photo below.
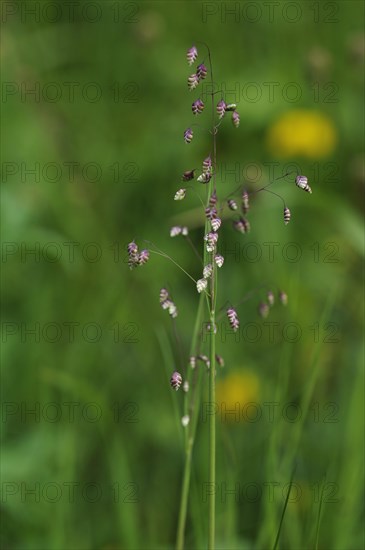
(188, 135)
(167, 303)
(193, 81)
(143, 257)
(201, 71)
(176, 380)
(197, 107)
(180, 195)
(207, 165)
(283, 297)
(205, 177)
(242, 225)
(235, 119)
(221, 108)
(233, 319)
(216, 223)
(270, 297)
(211, 239)
(179, 230)
(213, 199)
(192, 54)
(219, 260)
(133, 256)
(302, 182)
(232, 205)
(207, 271)
(287, 215)
(201, 285)
(188, 175)
(264, 309)
(245, 202)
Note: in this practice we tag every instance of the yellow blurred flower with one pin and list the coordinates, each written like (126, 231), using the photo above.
(237, 395)
(302, 133)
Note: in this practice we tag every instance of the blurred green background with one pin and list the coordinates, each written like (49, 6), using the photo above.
(92, 446)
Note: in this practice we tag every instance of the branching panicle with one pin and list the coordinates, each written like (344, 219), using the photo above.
(203, 348)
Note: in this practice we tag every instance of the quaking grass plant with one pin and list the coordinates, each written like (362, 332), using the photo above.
(203, 358)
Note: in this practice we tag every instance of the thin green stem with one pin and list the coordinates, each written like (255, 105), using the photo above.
(319, 518)
(211, 533)
(211, 400)
(184, 496)
(284, 509)
(189, 433)
(164, 255)
(191, 407)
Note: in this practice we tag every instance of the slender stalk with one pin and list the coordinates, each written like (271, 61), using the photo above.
(319, 518)
(189, 437)
(194, 402)
(211, 533)
(211, 400)
(284, 509)
(184, 496)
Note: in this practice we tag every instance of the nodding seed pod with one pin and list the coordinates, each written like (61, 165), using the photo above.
(245, 203)
(242, 225)
(216, 223)
(180, 195)
(164, 294)
(176, 380)
(133, 256)
(175, 230)
(205, 177)
(188, 135)
(201, 71)
(197, 107)
(270, 298)
(192, 54)
(233, 319)
(235, 119)
(201, 285)
(193, 81)
(264, 309)
(302, 182)
(172, 309)
(211, 240)
(232, 205)
(213, 199)
(283, 297)
(167, 303)
(132, 249)
(221, 108)
(189, 174)
(207, 165)
(219, 260)
(179, 230)
(143, 257)
(210, 212)
(287, 215)
(207, 271)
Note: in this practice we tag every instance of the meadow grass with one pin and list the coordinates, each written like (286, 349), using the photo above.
(136, 457)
